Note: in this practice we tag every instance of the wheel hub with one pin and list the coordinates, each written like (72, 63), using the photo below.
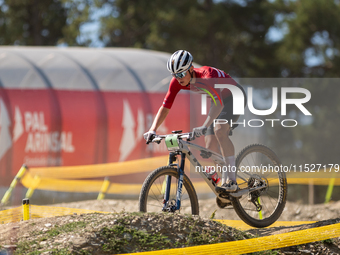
(170, 206)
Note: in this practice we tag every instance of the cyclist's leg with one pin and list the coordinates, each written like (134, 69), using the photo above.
(222, 137)
(211, 142)
(227, 147)
(228, 152)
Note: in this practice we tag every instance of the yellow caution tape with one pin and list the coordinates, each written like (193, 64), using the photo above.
(36, 211)
(315, 181)
(258, 244)
(50, 211)
(79, 185)
(239, 224)
(11, 215)
(64, 179)
(16, 179)
(117, 188)
(100, 170)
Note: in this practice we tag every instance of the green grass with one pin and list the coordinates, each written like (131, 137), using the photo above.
(212, 216)
(69, 227)
(26, 247)
(328, 241)
(118, 239)
(121, 237)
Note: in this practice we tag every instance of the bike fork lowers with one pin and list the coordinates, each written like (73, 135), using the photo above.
(180, 170)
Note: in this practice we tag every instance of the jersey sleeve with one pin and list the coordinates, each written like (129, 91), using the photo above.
(171, 94)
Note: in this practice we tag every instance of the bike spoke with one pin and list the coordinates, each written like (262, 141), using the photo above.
(259, 173)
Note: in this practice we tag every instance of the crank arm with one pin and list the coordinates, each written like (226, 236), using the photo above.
(245, 191)
(224, 199)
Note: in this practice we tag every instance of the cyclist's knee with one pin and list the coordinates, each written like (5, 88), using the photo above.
(211, 143)
(222, 133)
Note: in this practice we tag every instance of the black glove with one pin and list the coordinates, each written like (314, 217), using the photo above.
(199, 131)
(148, 136)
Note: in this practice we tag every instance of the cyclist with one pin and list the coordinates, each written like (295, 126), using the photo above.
(186, 77)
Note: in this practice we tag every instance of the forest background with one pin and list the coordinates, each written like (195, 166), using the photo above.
(283, 39)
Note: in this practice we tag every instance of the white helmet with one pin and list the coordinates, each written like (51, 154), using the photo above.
(180, 61)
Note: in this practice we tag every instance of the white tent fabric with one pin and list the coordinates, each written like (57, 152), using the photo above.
(106, 69)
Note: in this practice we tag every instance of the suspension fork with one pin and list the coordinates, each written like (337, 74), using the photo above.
(172, 158)
(180, 182)
(180, 170)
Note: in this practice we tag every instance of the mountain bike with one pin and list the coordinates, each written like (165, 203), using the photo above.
(259, 201)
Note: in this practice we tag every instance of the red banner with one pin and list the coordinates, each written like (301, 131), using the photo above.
(64, 128)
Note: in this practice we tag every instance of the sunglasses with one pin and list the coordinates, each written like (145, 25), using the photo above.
(182, 74)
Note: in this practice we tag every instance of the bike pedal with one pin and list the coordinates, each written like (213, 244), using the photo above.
(222, 191)
(221, 204)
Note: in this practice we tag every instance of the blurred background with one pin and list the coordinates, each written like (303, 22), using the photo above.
(80, 81)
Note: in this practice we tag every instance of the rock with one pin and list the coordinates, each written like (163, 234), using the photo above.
(78, 241)
(305, 252)
(10, 246)
(297, 212)
(180, 236)
(127, 236)
(48, 225)
(186, 230)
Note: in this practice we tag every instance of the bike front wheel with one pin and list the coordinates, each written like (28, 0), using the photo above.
(257, 166)
(151, 198)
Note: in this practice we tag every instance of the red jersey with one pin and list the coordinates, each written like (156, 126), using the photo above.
(207, 77)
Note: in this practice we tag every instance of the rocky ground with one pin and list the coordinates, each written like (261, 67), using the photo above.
(124, 232)
(292, 211)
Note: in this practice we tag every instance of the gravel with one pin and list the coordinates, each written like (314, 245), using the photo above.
(292, 212)
(113, 233)
(123, 230)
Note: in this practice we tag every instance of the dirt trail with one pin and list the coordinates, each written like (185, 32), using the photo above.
(84, 233)
(292, 211)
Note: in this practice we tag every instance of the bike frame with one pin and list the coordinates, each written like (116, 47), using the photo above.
(178, 146)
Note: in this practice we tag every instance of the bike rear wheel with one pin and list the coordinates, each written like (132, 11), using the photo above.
(151, 198)
(257, 164)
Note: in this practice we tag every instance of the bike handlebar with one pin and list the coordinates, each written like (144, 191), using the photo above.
(158, 138)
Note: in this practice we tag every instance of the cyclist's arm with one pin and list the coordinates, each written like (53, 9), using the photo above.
(214, 111)
(163, 111)
(160, 117)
